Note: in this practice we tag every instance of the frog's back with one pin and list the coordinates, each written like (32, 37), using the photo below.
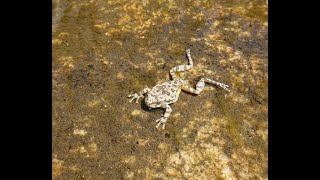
(167, 92)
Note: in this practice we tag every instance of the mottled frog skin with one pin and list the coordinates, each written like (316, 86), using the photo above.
(161, 95)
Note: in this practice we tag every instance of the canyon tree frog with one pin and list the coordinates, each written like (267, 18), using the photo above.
(161, 95)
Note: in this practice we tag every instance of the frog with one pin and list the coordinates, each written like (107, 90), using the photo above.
(164, 94)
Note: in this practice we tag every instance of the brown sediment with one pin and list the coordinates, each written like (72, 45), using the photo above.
(102, 51)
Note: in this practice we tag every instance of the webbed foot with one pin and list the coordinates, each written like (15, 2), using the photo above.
(225, 87)
(161, 121)
(134, 96)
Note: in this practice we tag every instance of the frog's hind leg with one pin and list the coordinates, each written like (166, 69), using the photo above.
(182, 67)
(200, 86)
(223, 86)
(163, 119)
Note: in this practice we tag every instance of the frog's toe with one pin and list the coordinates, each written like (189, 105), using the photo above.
(137, 99)
(132, 96)
(227, 88)
(131, 99)
(161, 121)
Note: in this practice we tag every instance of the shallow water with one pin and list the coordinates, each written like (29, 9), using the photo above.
(102, 51)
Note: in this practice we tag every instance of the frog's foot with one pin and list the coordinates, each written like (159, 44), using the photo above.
(139, 95)
(134, 96)
(161, 121)
(222, 85)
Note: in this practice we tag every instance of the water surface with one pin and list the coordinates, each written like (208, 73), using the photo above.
(104, 50)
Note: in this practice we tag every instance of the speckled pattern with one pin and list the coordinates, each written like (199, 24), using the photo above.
(167, 93)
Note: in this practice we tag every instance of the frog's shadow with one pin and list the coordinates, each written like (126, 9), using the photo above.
(146, 108)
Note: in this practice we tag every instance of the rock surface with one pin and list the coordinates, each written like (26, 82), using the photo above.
(104, 50)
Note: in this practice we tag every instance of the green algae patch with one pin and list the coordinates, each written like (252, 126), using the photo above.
(258, 12)
(232, 121)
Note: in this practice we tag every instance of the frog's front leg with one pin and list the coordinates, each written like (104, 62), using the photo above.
(163, 119)
(139, 95)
